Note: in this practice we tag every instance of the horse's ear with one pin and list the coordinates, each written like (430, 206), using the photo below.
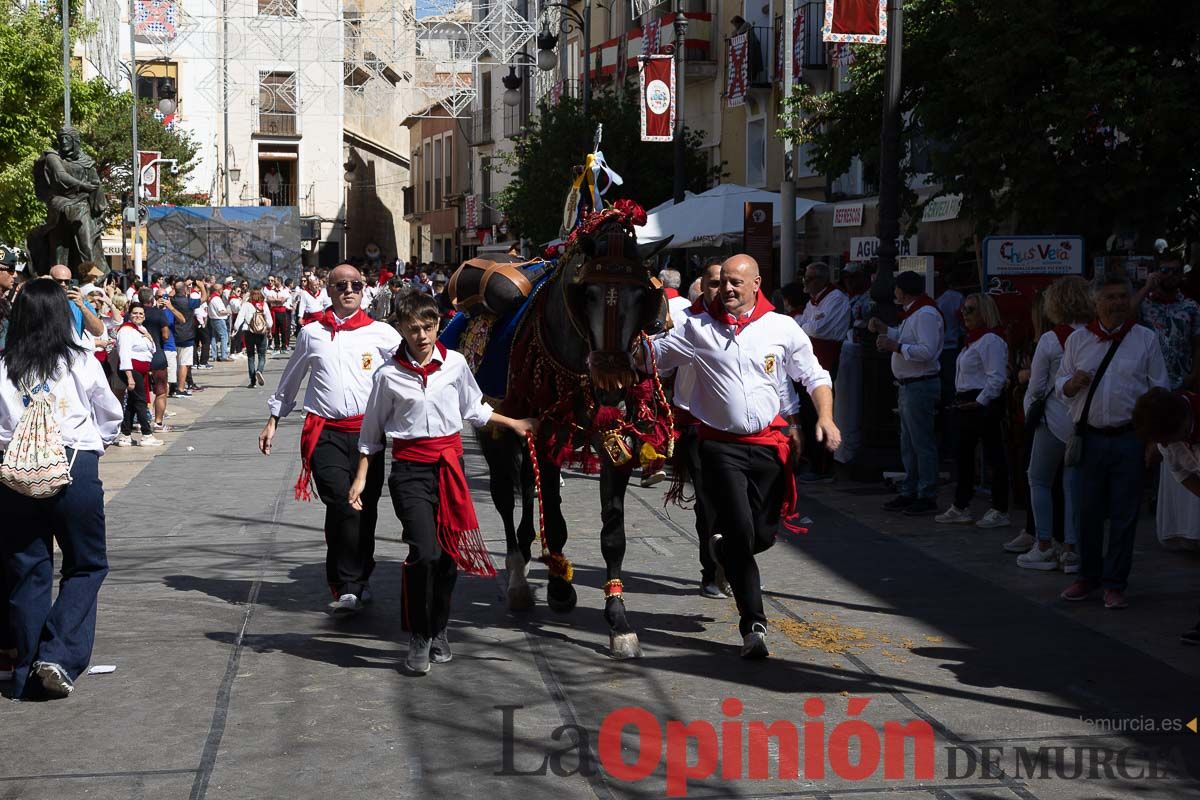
(648, 250)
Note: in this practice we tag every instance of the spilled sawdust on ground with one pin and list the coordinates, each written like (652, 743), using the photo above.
(824, 633)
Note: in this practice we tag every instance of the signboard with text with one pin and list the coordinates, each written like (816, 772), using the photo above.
(864, 248)
(848, 215)
(758, 226)
(1032, 255)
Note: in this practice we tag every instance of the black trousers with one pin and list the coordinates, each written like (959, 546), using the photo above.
(203, 342)
(349, 534)
(136, 408)
(745, 484)
(429, 574)
(689, 444)
(971, 427)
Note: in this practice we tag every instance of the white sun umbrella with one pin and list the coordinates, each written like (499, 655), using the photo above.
(711, 218)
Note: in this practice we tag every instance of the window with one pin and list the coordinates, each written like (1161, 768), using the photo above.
(153, 76)
(756, 152)
(437, 172)
(277, 8)
(277, 102)
(448, 172)
(427, 164)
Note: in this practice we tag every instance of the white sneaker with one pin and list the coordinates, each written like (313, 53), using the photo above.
(54, 678)
(993, 519)
(954, 515)
(124, 441)
(150, 441)
(345, 605)
(1039, 559)
(1069, 561)
(1021, 543)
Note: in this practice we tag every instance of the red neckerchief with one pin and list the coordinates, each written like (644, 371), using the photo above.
(976, 334)
(214, 296)
(1104, 336)
(128, 324)
(313, 296)
(1164, 299)
(424, 371)
(358, 319)
(1063, 332)
(922, 301)
(762, 307)
(697, 305)
(259, 306)
(671, 293)
(821, 295)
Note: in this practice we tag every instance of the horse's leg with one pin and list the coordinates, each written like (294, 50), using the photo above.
(623, 642)
(500, 454)
(560, 593)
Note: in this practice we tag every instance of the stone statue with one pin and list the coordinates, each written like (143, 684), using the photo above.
(67, 182)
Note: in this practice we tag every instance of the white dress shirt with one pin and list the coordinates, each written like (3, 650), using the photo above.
(1042, 372)
(737, 378)
(340, 369)
(307, 304)
(1137, 367)
(86, 410)
(920, 338)
(983, 366)
(246, 315)
(132, 346)
(217, 308)
(828, 319)
(276, 297)
(678, 308)
(402, 406)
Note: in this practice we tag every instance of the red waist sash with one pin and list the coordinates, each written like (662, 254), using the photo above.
(457, 526)
(771, 436)
(143, 368)
(313, 425)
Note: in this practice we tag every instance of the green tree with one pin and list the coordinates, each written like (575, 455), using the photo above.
(558, 140)
(1068, 117)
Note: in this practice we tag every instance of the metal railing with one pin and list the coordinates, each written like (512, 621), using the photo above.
(276, 123)
(816, 53)
(287, 194)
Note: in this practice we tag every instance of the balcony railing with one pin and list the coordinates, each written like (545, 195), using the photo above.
(276, 123)
(816, 54)
(287, 194)
(481, 126)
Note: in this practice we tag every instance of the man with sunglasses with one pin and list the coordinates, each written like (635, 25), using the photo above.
(8, 279)
(340, 351)
(81, 310)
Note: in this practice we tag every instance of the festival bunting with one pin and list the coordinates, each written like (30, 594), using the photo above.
(856, 21)
(650, 37)
(658, 98)
(737, 74)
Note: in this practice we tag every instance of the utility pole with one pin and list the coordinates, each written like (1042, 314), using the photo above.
(787, 188)
(136, 167)
(681, 26)
(889, 157)
(587, 59)
(66, 25)
(225, 91)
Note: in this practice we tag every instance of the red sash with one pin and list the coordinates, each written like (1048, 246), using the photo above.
(457, 526)
(771, 436)
(143, 368)
(309, 434)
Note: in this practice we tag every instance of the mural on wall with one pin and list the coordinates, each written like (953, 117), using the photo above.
(247, 241)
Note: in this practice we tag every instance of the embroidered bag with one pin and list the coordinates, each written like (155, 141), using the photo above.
(35, 463)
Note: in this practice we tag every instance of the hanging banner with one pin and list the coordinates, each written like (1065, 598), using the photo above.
(855, 21)
(471, 211)
(650, 37)
(658, 98)
(155, 21)
(149, 174)
(799, 30)
(737, 75)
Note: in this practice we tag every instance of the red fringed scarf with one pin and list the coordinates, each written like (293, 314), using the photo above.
(358, 319)
(771, 436)
(924, 301)
(309, 435)
(1104, 336)
(457, 526)
(762, 307)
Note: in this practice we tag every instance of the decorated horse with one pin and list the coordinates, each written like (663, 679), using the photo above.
(570, 364)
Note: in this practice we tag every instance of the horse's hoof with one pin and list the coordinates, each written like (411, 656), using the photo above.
(520, 598)
(624, 645)
(516, 565)
(560, 595)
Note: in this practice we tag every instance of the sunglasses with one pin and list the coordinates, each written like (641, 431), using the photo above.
(8, 269)
(62, 281)
(342, 286)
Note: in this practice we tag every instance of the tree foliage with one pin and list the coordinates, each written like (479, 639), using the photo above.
(31, 112)
(1067, 117)
(558, 140)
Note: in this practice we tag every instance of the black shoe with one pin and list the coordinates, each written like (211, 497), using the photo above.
(252, 385)
(899, 503)
(920, 507)
(417, 662)
(1192, 636)
(439, 649)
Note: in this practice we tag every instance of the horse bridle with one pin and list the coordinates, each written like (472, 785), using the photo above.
(609, 272)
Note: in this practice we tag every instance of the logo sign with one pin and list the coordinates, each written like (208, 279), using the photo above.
(657, 80)
(471, 212)
(848, 215)
(864, 248)
(758, 237)
(943, 209)
(1033, 255)
(149, 174)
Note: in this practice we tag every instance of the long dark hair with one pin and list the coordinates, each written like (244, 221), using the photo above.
(40, 333)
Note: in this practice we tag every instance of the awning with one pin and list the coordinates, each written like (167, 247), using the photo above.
(712, 218)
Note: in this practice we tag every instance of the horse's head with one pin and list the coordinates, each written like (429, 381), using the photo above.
(611, 297)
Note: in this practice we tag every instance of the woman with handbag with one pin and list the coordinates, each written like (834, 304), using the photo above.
(254, 321)
(1068, 308)
(42, 357)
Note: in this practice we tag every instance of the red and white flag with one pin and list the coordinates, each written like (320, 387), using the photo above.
(737, 74)
(658, 98)
(149, 173)
(856, 21)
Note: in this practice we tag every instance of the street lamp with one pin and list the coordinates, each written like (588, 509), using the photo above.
(547, 59)
(512, 87)
(166, 97)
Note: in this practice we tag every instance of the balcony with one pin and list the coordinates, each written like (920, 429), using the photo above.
(481, 127)
(277, 123)
(816, 54)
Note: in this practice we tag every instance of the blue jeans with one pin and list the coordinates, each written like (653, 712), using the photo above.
(64, 631)
(256, 353)
(918, 445)
(1111, 473)
(1044, 461)
(220, 337)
